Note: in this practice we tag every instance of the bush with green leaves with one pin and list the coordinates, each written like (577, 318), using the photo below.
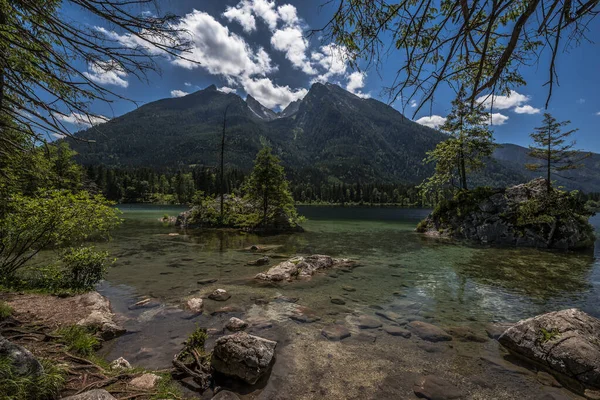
(5, 310)
(79, 339)
(51, 220)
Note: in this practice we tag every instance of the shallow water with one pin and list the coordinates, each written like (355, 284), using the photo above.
(442, 282)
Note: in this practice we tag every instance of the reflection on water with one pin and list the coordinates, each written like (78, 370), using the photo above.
(443, 282)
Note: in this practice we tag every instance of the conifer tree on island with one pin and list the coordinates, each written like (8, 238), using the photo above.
(470, 141)
(556, 153)
(268, 189)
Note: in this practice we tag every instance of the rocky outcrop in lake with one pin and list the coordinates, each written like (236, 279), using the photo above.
(302, 267)
(525, 215)
(566, 341)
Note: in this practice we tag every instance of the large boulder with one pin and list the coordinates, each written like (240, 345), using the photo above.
(22, 361)
(302, 267)
(567, 341)
(243, 356)
(524, 215)
(100, 317)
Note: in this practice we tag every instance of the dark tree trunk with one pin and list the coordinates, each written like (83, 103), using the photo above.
(549, 162)
(222, 183)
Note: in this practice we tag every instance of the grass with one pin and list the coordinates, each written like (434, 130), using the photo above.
(166, 388)
(79, 340)
(5, 310)
(548, 335)
(17, 387)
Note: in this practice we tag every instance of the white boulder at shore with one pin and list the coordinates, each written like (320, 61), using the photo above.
(566, 341)
(302, 267)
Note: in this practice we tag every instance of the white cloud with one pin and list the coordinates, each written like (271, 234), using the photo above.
(413, 103)
(59, 135)
(178, 93)
(333, 59)
(356, 80)
(271, 95)
(527, 109)
(291, 41)
(288, 14)
(226, 89)
(107, 73)
(187, 84)
(219, 51)
(598, 113)
(503, 102)
(433, 121)
(242, 15)
(245, 11)
(581, 101)
(497, 119)
(82, 120)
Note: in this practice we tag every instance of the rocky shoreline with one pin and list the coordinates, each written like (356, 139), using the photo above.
(559, 349)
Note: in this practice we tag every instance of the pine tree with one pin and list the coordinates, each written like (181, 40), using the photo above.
(268, 187)
(470, 141)
(552, 148)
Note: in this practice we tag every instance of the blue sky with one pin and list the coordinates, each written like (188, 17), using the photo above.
(261, 48)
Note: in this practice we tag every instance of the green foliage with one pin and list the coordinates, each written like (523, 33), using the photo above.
(469, 143)
(549, 209)
(195, 343)
(166, 388)
(548, 335)
(84, 267)
(268, 190)
(18, 387)
(78, 339)
(5, 310)
(556, 155)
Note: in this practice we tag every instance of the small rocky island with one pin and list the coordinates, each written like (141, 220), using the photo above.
(525, 215)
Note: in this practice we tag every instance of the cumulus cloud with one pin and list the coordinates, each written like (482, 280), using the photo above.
(356, 81)
(271, 95)
(245, 10)
(288, 14)
(107, 73)
(432, 121)
(527, 109)
(332, 58)
(82, 120)
(514, 99)
(178, 93)
(226, 89)
(291, 41)
(497, 119)
(413, 103)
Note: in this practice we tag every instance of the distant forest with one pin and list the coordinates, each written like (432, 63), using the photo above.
(146, 185)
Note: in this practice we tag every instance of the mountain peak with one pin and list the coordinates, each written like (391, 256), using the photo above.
(211, 88)
(259, 110)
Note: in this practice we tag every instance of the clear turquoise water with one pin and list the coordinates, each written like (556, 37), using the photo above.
(443, 282)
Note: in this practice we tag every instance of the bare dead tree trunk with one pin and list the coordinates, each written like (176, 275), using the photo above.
(222, 183)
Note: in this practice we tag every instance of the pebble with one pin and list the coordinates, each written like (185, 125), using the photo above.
(338, 301)
(397, 331)
(335, 332)
(432, 387)
(367, 322)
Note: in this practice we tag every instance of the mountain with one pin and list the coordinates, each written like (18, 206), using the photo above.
(330, 135)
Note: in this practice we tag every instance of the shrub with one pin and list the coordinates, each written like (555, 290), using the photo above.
(84, 267)
(5, 310)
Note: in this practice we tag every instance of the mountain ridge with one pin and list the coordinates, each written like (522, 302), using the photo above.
(330, 135)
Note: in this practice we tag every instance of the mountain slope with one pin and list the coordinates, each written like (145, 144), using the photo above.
(330, 135)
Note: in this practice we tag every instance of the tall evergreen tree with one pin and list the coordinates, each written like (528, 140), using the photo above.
(553, 149)
(268, 187)
(470, 141)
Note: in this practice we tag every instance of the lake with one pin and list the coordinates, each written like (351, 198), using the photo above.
(442, 282)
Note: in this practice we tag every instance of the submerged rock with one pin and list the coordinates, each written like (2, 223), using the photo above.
(397, 331)
(367, 322)
(225, 395)
(195, 305)
(429, 332)
(261, 261)
(243, 356)
(219, 295)
(432, 387)
(235, 324)
(516, 216)
(21, 359)
(302, 267)
(566, 341)
(96, 394)
(335, 332)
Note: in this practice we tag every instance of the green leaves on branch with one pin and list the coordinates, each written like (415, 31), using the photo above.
(54, 219)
